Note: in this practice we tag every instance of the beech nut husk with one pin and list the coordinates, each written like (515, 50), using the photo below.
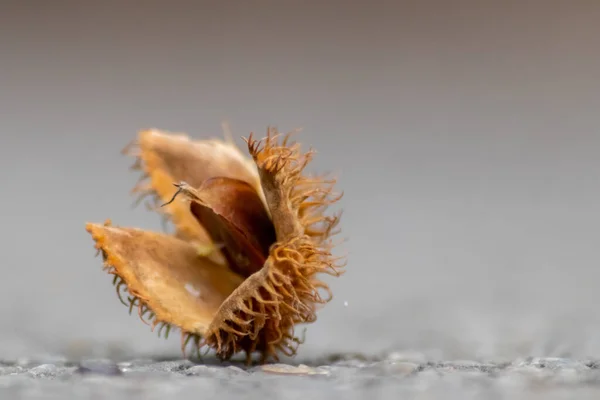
(250, 241)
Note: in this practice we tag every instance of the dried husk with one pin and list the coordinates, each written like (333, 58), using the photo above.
(262, 215)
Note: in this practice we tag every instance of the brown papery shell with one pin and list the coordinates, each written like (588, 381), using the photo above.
(166, 157)
(263, 214)
(235, 216)
(168, 282)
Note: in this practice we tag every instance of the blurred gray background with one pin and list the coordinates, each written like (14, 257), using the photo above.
(465, 135)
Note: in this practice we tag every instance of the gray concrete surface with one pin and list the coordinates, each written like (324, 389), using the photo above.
(465, 135)
(396, 376)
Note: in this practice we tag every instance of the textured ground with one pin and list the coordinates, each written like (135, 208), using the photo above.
(398, 375)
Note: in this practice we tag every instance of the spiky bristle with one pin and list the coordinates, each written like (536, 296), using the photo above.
(134, 302)
(260, 315)
(262, 312)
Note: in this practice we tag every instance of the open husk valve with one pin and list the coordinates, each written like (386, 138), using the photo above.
(251, 240)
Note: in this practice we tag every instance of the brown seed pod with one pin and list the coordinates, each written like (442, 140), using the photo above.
(251, 238)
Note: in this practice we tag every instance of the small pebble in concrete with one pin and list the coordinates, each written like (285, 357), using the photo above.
(44, 371)
(100, 367)
(213, 371)
(284, 369)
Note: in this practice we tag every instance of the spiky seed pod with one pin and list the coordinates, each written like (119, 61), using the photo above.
(251, 240)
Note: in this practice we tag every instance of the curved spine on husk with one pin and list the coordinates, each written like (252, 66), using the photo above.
(135, 300)
(261, 314)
